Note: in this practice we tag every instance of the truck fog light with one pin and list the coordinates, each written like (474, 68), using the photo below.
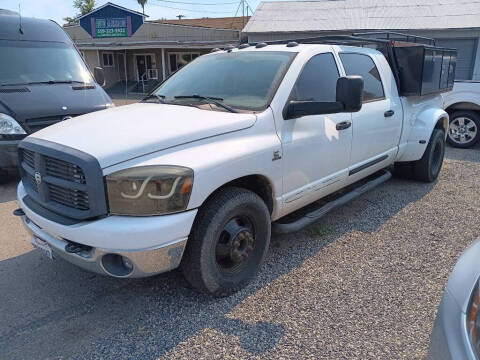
(117, 265)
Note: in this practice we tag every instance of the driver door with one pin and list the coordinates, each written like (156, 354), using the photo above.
(316, 150)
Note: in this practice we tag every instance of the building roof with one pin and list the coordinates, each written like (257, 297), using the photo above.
(234, 23)
(325, 15)
(114, 5)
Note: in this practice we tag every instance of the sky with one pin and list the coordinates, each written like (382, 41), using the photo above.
(156, 9)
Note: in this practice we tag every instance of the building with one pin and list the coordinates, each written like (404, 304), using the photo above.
(136, 53)
(453, 23)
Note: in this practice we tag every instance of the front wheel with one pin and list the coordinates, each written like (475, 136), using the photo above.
(464, 129)
(228, 242)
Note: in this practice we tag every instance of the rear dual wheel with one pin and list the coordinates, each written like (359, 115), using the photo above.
(228, 242)
(428, 167)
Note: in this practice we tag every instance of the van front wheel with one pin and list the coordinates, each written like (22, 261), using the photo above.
(228, 242)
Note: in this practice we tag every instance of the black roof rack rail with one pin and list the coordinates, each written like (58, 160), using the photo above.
(389, 43)
(396, 36)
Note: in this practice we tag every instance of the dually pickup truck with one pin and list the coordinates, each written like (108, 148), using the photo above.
(195, 175)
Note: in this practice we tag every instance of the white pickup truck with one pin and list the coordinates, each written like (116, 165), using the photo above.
(195, 175)
(463, 106)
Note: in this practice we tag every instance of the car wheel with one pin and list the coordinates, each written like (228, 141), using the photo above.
(428, 167)
(464, 129)
(228, 242)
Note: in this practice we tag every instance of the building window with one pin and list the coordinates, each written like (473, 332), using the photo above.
(179, 60)
(107, 59)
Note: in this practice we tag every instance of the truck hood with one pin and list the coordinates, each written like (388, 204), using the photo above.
(120, 134)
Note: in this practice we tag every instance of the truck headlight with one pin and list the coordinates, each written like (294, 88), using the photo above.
(8, 126)
(149, 190)
(473, 320)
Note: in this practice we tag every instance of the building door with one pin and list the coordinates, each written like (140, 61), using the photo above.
(467, 49)
(144, 62)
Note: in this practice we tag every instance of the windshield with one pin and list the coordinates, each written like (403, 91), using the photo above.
(24, 62)
(241, 80)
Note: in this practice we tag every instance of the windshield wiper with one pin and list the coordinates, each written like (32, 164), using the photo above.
(57, 82)
(213, 100)
(160, 98)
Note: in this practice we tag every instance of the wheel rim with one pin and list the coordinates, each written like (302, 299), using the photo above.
(437, 157)
(462, 130)
(235, 245)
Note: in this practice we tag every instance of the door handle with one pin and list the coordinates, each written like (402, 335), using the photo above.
(389, 113)
(343, 125)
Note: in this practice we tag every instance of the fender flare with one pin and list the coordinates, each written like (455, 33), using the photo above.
(421, 131)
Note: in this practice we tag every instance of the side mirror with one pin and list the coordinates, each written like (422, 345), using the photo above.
(99, 75)
(350, 93)
(348, 99)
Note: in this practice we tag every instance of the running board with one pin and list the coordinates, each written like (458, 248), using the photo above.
(313, 216)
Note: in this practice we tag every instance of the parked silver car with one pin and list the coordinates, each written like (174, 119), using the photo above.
(456, 332)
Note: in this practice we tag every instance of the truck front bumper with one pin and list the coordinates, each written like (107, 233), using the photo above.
(118, 246)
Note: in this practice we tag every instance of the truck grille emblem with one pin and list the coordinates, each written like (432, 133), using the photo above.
(38, 178)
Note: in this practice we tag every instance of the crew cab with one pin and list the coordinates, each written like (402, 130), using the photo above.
(463, 106)
(195, 175)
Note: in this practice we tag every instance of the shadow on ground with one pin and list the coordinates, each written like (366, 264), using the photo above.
(54, 310)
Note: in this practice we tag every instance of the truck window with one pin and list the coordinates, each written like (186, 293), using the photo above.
(318, 80)
(363, 65)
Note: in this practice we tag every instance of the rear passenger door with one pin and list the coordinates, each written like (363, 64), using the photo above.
(378, 125)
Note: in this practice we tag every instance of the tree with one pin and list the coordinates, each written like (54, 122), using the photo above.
(142, 4)
(83, 7)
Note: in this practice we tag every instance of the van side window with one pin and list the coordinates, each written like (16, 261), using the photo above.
(363, 65)
(318, 80)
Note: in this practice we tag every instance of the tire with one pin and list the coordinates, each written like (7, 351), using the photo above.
(464, 129)
(428, 167)
(228, 242)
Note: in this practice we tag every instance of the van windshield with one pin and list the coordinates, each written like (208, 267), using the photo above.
(241, 80)
(27, 62)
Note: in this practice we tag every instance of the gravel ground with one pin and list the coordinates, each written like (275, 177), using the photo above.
(363, 283)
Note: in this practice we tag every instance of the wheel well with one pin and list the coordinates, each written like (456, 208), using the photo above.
(462, 106)
(258, 184)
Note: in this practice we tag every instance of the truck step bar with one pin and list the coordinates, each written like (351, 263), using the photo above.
(284, 226)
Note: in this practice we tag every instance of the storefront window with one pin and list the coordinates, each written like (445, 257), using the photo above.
(179, 60)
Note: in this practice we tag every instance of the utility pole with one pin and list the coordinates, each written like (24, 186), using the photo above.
(180, 17)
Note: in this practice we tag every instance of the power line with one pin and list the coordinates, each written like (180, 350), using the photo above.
(196, 11)
(192, 3)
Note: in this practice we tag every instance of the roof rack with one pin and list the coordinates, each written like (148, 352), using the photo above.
(385, 42)
(396, 36)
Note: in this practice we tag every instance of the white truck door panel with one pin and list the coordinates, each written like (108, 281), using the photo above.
(316, 155)
(377, 126)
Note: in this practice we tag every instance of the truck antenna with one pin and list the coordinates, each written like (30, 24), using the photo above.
(20, 29)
